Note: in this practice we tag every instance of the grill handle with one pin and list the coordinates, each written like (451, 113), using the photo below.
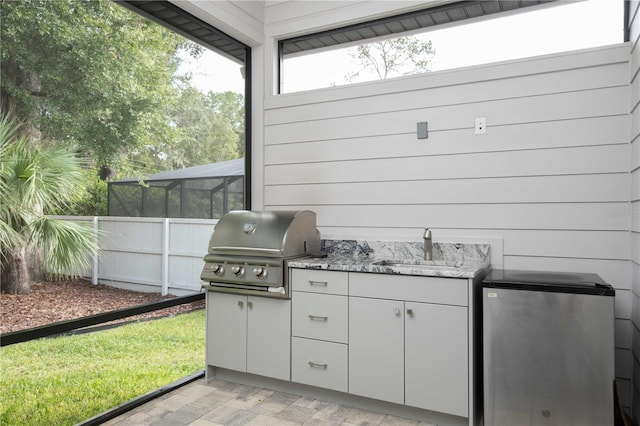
(245, 251)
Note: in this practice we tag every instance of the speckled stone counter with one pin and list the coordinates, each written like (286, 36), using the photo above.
(450, 260)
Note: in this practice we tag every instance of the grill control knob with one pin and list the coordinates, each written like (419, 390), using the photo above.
(238, 270)
(217, 269)
(260, 272)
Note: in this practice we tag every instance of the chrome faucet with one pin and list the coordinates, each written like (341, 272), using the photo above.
(428, 244)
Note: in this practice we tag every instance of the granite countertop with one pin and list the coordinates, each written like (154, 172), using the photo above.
(451, 260)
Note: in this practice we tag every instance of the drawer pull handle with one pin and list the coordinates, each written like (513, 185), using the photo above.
(318, 318)
(318, 283)
(318, 365)
(410, 312)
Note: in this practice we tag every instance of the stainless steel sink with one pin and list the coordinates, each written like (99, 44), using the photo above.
(420, 264)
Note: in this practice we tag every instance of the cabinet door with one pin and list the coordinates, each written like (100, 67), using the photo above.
(227, 331)
(269, 337)
(317, 281)
(318, 363)
(376, 349)
(320, 316)
(436, 358)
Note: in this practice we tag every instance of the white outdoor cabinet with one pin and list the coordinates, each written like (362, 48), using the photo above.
(436, 358)
(408, 341)
(319, 316)
(319, 363)
(320, 328)
(376, 349)
(249, 334)
(226, 331)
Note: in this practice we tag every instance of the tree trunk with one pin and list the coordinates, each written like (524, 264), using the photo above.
(35, 264)
(31, 258)
(26, 113)
(15, 274)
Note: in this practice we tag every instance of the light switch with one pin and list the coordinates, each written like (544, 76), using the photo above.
(422, 130)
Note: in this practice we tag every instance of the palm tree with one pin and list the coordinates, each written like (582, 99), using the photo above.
(35, 179)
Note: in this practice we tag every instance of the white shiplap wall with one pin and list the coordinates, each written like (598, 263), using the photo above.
(548, 184)
(634, 209)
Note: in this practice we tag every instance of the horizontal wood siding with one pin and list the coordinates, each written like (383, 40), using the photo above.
(553, 184)
(633, 211)
(554, 158)
(550, 178)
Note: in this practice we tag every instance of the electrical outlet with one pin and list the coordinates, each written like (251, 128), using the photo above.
(481, 125)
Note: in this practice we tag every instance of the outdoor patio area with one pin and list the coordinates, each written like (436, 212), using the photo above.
(224, 403)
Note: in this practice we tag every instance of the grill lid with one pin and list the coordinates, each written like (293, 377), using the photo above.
(265, 233)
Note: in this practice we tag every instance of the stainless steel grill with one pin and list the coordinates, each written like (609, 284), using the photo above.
(248, 251)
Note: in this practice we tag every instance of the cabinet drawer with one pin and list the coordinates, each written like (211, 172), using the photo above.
(321, 364)
(320, 316)
(315, 281)
(446, 291)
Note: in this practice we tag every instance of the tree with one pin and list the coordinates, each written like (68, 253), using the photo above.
(392, 57)
(206, 128)
(231, 106)
(92, 202)
(90, 74)
(99, 79)
(34, 180)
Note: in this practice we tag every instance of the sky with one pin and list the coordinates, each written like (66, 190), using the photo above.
(213, 72)
(544, 31)
(547, 30)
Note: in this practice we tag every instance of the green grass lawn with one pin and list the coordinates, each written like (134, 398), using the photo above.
(65, 380)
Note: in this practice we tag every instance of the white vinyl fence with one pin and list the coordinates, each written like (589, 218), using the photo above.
(147, 254)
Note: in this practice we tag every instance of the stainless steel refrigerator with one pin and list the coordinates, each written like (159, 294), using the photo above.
(548, 349)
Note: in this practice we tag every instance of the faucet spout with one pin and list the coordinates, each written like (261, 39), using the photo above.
(428, 244)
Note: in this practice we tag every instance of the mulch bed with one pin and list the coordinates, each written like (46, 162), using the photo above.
(64, 300)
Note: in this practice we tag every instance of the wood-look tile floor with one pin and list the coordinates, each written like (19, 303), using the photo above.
(224, 403)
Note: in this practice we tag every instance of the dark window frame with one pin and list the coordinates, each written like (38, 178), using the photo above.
(627, 20)
(199, 31)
